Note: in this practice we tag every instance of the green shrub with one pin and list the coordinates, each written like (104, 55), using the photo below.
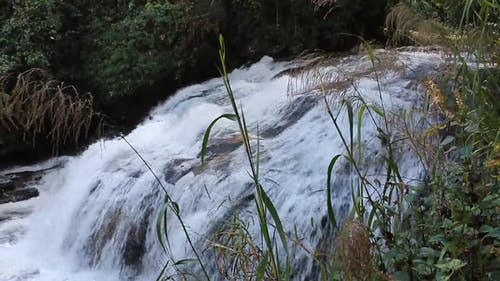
(140, 48)
(29, 32)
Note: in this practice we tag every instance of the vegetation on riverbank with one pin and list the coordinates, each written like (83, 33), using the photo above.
(128, 55)
(446, 227)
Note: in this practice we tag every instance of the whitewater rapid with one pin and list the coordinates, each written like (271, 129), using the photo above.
(96, 214)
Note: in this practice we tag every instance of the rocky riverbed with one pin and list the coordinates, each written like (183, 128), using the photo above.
(95, 217)
(21, 185)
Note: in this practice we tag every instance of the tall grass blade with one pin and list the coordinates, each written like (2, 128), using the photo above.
(173, 205)
(261, 268)
(185, 261)
(350, 115)
(331, 213)
(163, 270)
(206, 136)
(176, 208)
(257, 156)
(274, 214)
(159, 222)
(360, 121)
(377, 110)
(465, 13)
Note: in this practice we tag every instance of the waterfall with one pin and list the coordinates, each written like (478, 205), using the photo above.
(95, 218)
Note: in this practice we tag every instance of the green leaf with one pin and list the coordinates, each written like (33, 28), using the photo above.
(423, 267)
(261, 268)
(371, 217)
(428, 252)
(402, 276)
(257, 155)
(331, 214)
(450, 264)
(185, 261)
(447, 224)
(274, 214)
(377, 110)
(495, 233)
(160, 276)
(447, 140)
(176, 208)
(438, 238)
(222, 48)
(207, 133)
(466, 150)
(159, 222)
(221, 41)
(350, 115)
(485, 228)
(360, 120)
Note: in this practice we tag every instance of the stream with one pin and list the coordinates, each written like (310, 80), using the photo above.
(96, 215)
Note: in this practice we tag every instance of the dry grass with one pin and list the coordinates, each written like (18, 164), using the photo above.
(331, 75)
(404, 24)
(331, 4)
(354, 253)
(312, 73)
(321, 3)
(237, 255)
(50, 109)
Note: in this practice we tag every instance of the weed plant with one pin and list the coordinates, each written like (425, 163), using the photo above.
(270, 267)
(36, 107)
(447, 227)
(444, 228)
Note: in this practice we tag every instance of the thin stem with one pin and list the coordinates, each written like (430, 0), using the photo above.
(174, 210)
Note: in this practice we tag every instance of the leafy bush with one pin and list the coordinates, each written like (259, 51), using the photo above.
(449, 229)
(28, 34)
(114, 47)
(140, 48)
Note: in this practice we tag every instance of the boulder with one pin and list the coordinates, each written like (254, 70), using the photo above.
(18, 195)
(6, 185)
(21, 185)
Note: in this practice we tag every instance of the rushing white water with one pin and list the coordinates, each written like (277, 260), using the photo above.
(96, 215)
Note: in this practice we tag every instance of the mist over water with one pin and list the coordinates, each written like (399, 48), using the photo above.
(96, 214)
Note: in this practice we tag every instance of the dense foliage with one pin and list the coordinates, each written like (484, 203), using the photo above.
(134, 52)
(113, 47)
(446, 228)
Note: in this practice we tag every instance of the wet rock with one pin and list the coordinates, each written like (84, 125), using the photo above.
(134, 246)
(135, 243)
(291, 114)
(14, 187)
(224, 145)
(177, 168)
(102, 235)
(18, 195)
(6, 185)
(218, 155)
(97, 185)
(20, 186)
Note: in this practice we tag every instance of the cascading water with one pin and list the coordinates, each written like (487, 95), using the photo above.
(96, 216)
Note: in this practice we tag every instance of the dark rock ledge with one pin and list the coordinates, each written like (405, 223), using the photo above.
(20, 186)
